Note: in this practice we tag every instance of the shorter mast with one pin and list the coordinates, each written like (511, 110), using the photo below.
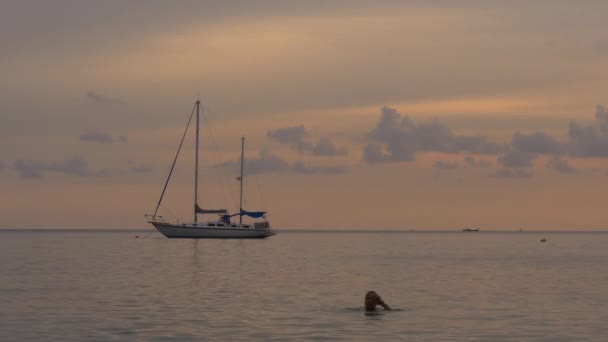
(241, 179)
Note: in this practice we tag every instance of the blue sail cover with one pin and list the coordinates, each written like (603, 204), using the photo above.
(254, 214)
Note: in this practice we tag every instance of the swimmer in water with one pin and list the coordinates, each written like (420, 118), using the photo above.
(372, 299)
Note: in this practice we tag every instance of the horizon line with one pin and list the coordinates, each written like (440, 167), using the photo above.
(331, 230)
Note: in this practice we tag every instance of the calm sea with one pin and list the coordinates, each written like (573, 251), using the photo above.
(450, 286)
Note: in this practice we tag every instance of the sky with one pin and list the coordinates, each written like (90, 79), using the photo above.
(357, 114)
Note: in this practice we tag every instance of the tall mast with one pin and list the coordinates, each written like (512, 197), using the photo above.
(198, 104)
(241, 178)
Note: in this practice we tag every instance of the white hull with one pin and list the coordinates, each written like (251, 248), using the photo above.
(206, 232)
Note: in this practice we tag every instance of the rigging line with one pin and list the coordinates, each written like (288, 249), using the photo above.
(174, 161)
(145, 236)
(171, 213)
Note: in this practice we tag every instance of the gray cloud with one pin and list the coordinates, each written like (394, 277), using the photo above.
(584, 141)
(301, 167)
(517, 159)
(445, 165)
(76, 166)
(601, 115)
(475, 144)
(538, 142)
(326, 147)
(298, 138)
(524, 151)
(293, 136)
(590, 140)
(481, 163)
(397, 139)
(101, 137)
(376, 153)
(266, 162)
(511, 173)
(560, 165)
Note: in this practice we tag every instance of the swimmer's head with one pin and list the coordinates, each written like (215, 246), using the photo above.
(372, 299)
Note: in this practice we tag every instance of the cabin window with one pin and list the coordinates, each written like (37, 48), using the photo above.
(211, 224)
(220, 225)
(246, 226)
(194, 224)
(233, 225)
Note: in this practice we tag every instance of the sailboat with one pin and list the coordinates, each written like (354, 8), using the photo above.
(223, 226)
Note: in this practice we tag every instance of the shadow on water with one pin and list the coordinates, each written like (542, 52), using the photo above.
(373, 313)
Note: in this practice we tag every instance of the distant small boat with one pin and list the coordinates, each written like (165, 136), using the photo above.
(470, 230)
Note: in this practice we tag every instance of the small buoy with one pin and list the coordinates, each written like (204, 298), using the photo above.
(543, 240)
(136, 236)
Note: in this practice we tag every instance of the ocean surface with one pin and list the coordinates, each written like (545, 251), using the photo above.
(308, 286)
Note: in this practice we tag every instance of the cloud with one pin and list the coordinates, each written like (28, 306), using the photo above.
(584, 141)
(102, 137)
(266, 162)
(301, 167)
(397, 139)
(601, 115)
(445, 165)
(590, 140)
(538, 142)
(326, 147)
(560, 165)
(375, 153)
(511, 173)
(525, 149)
(298, 138)
(394, 136)
(475, 144)
(517, 159)
(481, 163)
(293, 136)
(76, 166)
